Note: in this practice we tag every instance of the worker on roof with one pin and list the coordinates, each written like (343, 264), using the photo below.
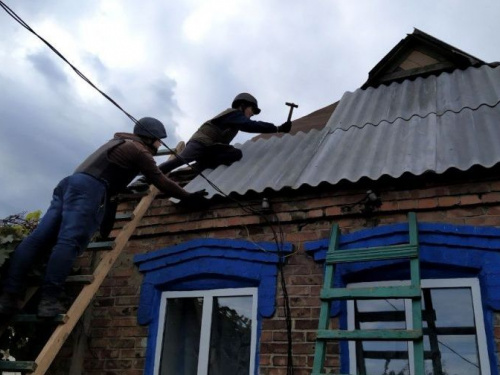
(210, 145)
(77, 209)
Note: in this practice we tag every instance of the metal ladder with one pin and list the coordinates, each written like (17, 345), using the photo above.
(413, 291)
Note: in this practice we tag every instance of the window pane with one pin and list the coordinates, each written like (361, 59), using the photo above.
(450, 338)
(458, 356)
(230, 336)
(381, 357)
(181, 337)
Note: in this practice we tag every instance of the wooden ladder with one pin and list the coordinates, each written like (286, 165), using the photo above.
(82, 301)
(329, 294)
(67, 322)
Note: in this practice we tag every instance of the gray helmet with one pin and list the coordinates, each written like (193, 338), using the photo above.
(150, 128)
(246, 98)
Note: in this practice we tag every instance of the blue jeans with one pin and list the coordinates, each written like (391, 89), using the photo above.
(64, 232)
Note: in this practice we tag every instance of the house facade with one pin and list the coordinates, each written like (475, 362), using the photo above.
(234, 289)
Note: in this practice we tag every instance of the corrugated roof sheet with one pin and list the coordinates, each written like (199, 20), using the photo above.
(432, 124)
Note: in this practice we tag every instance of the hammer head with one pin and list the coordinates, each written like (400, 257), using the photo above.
(292, 105)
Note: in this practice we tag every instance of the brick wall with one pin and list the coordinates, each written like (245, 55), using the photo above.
(117, 344)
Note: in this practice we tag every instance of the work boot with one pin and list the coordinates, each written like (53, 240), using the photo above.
(8, 304)
(49, 307)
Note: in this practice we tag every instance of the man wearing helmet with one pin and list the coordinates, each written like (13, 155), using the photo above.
(77, 208)
(210, 145)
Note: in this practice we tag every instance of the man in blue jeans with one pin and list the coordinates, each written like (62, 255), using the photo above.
(77, 208)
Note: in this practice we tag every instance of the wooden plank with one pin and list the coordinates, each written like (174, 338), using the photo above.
(324, 316)
(391, 355)
(371, 293)
(372, 254)
(62, 332)
(123, 216)
(80, 279)
(104, 245)
(23, 366)
(32, 318)
(370, 335)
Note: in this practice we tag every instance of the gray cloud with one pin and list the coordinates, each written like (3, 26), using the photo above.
(183, 62)
(51, 70)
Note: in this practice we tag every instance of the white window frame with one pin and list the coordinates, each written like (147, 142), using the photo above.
(206, 322)
(477, 307)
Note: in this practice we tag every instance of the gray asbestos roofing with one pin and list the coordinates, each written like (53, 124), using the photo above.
(426, 125)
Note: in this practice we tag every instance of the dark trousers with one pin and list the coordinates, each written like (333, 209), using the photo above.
(205, 156)
(63, 233)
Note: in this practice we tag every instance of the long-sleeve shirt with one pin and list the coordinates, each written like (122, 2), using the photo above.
(225, 126)
(123, 158)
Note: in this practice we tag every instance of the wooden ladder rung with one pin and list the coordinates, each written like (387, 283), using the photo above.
(32, 318)
(18, 366)
(371, 293)
(80, 279)
(124, 216)
(104, 245)
(370, 334)
(372, 253)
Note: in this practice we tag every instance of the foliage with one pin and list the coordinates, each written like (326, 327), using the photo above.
(12, 231)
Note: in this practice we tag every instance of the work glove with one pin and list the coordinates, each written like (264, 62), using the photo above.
(195, 200)
(285, 127)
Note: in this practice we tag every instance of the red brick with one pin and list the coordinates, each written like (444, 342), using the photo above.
(264, 359)
(306, 324)
(448, 201)
(283, 336)
(469, 199)
(407, 204)
(333, 211)
(428, 203)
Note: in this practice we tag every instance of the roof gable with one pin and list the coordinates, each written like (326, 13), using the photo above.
(418, 55)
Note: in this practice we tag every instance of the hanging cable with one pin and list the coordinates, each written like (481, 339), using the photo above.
(278, 238)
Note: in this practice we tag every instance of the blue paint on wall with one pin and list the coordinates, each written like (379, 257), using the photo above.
(205, 264)
(446, 251)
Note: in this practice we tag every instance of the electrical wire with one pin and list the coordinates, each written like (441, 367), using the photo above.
(279, 239)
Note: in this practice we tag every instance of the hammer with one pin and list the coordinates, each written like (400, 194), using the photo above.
(292, 106)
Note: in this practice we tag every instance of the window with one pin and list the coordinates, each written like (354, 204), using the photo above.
(454, 334)
(207, 332)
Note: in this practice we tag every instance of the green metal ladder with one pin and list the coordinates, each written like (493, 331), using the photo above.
(413, 291)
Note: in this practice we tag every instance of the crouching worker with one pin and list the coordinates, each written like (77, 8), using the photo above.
(76, 211)
(210, 145)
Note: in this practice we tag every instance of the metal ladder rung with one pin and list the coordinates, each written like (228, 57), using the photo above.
(370, 334)
(373, 253)
(371, 293)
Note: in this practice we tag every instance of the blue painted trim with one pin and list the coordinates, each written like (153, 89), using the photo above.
(205, 264)
(446, 251)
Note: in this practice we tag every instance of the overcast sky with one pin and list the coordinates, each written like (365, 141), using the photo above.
(184, 61)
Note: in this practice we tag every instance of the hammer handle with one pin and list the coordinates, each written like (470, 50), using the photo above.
(292, 106)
